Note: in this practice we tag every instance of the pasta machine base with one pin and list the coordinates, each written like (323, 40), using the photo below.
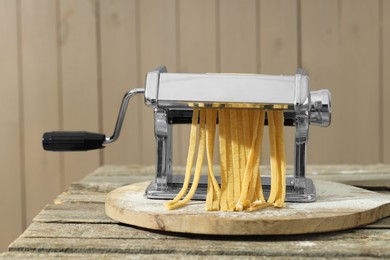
(306, 193)
(338, 207)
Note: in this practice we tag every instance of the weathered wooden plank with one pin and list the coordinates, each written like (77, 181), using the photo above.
(12, 211)
(355, 169)
(86, 230)
(368, 181)
(109, 177)
(383, 223)
(37, 255)
(123, 170)
(90, 197)
(95, 213)
(371, 243)
(373, 177)
(104, 184)
(78, 225)
(113, 179)
(74, 213)
(92, 192)
(115, 231)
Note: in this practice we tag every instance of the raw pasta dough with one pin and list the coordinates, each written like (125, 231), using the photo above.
(240, 140)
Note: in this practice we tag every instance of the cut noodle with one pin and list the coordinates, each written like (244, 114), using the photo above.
(240, 140)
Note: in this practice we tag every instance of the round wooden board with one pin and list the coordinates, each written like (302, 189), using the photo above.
(338, 207)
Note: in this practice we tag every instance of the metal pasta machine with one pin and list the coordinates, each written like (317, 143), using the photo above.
(172, 96)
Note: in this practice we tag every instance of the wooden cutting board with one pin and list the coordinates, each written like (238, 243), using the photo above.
(338, 207)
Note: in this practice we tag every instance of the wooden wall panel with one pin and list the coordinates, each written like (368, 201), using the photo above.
(385, 74)
(44, 177)
(238, 36)
(198, 36)
(119, 56)
(79, 67)
(278, 41)
(158, 46)
(321, 47)
(357, 96)
(278, 53)
(11, 199)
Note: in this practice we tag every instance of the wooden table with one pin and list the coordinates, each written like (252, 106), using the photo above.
(76, 226)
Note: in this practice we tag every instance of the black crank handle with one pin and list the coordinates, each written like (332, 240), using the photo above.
(66, 141)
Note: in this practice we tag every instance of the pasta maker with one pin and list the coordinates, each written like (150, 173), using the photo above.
(172, 96)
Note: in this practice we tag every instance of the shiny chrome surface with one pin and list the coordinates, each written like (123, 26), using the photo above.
(320, 108)
(152, 83)
(122, 113)
(163, 134)
(179, 91)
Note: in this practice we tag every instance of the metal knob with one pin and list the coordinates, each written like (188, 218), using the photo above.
(320, 108)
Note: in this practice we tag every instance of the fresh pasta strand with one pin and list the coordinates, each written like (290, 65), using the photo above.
(242, 149)
(255, 192)
(223, 158)
(236, 158)
(257, 177)
(281, 159)
(248, 131)
(278, 172)
(214, 192)
(258, 198)
(229, 161)
(273, 159)
(190, 158)
(240, 141)
(249, 168)
(198, 167)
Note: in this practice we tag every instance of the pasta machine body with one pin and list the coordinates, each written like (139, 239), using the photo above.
(172, 96)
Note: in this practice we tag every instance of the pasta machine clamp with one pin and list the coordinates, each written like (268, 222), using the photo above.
(173, 96)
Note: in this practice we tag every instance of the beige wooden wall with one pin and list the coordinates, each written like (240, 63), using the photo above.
(65, 64)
